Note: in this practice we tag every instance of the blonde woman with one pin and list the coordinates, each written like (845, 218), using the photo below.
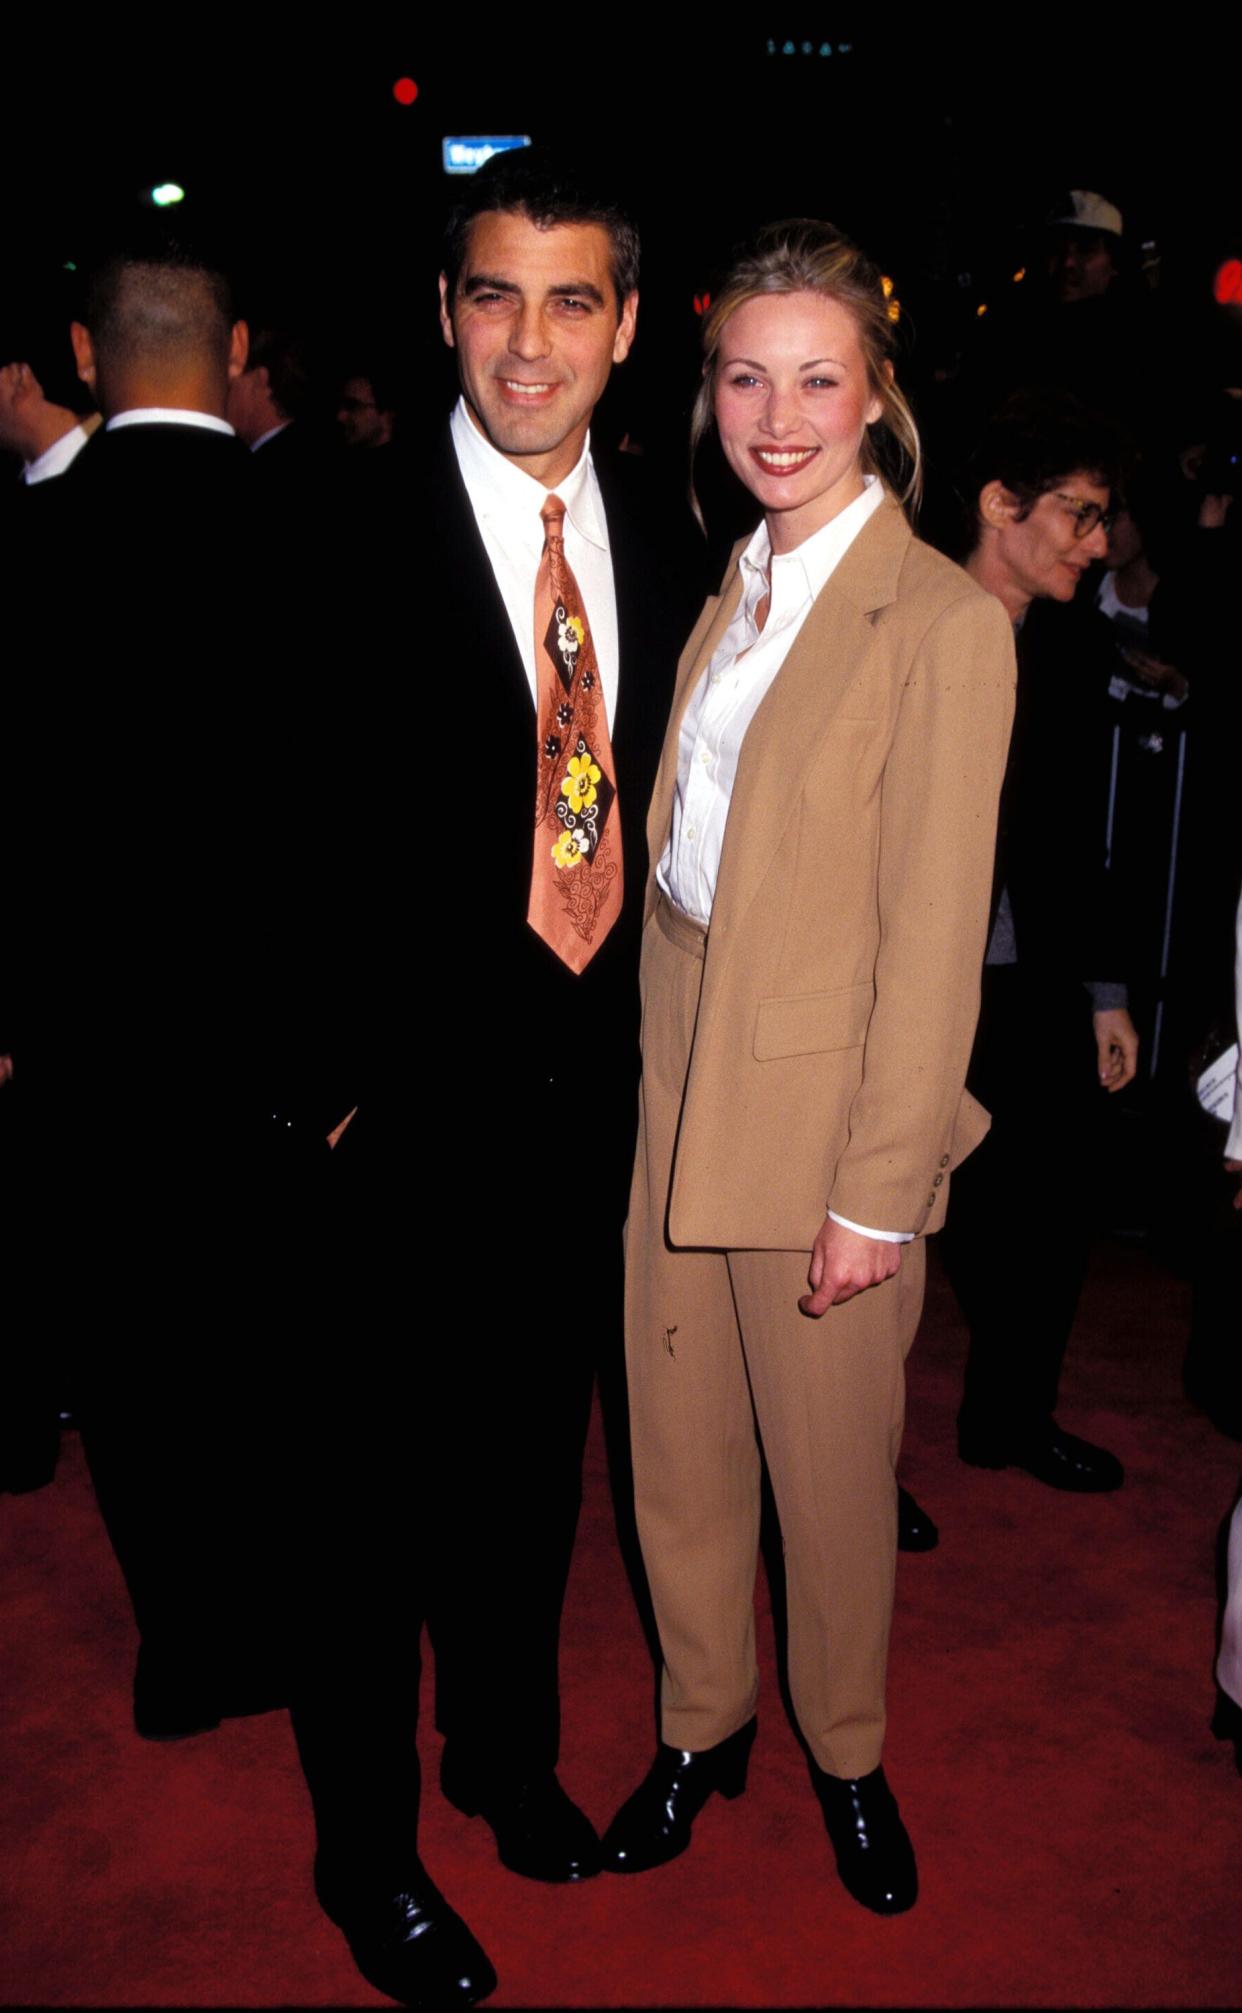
(822, 833)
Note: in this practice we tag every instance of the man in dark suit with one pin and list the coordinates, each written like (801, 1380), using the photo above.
(538, 302)
(1054, 1018)
(209, 894)
(268, 408)
(149, 964)
(517, 1094)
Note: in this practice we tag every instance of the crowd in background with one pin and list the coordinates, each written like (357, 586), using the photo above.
(1144, 658)
(1134, 670)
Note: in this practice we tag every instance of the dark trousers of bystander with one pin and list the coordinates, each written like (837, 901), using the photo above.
(1015, 1243)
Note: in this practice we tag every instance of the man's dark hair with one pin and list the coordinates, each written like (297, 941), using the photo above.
(550, 189)
(1039, 438)
(288, 375)
(162, 299)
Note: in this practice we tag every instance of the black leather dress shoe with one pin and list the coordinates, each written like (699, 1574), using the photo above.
(408, 1942)
(915, 1529)
(875, 1858)
(1058, 1458)
(539, 1831)
(654, 1824)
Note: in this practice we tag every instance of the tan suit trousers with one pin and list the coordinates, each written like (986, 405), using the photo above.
(715, 1346)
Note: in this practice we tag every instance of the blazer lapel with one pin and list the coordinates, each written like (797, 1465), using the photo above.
(797, 712)
(484, 631)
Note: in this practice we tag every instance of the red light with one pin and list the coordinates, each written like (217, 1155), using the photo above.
(405, 90)
(1227, 285)
(701, 303)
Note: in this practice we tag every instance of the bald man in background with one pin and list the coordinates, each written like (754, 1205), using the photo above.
(207, 913)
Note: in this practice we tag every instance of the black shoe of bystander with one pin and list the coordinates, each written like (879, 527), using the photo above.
(1048, 1453)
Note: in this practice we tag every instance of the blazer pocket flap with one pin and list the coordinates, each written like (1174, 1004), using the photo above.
(813, 1022)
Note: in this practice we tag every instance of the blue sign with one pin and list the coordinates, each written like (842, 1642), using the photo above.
(465, 156)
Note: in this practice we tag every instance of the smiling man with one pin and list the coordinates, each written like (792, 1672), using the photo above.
(538, 315)
(553, 596)
(1015, 1242)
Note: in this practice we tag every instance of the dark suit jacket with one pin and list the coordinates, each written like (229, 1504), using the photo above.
(161, 839)
(519, 1037)
(298, 471)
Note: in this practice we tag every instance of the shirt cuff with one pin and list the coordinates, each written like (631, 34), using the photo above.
(884, 1236)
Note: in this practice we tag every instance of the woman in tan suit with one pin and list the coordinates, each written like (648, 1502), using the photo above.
(822, 834)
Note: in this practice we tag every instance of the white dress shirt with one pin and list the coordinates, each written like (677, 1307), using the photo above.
(726, 700)
(58, 457)
(732, 688)
(506, 503)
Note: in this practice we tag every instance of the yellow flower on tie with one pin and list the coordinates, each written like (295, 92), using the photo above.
(576, 623)
(567, 852)
(579, 784)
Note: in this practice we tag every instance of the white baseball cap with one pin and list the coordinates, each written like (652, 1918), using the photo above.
(1090, 212)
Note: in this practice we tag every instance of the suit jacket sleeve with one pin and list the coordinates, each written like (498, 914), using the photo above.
(941, 783)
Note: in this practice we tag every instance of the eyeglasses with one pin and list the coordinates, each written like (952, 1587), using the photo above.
(1086, 515)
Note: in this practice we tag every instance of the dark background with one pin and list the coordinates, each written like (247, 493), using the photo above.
(940, 146)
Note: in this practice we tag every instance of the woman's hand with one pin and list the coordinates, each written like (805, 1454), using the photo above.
(844, 1263)
(1117, 1046)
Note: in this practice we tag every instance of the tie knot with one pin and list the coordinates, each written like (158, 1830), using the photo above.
(553, 515)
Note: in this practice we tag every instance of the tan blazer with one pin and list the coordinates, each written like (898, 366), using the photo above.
(841, 983)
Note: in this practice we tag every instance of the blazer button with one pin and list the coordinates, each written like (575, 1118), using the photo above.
(937, 1179)
(944, 1160)
(931, 1200)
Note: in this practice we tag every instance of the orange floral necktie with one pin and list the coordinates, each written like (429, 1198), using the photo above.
(576, 877)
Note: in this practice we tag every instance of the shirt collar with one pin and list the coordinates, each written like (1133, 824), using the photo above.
(167, 415)
(271, 434)
(798, 576)
(498, 488)
(58, 457)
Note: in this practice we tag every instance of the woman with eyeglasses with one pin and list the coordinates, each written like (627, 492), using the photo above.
(1054, 1027)
(822, 834)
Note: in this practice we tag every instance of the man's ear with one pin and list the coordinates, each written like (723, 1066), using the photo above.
(446, 319)
(239, 349)
(998, 506)
(83, 352)
(625, 329)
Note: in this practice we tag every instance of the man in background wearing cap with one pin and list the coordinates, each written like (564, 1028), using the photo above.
(1087, 331)
(1084, 250)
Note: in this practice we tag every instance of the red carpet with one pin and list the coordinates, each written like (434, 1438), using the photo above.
(1077, 1827)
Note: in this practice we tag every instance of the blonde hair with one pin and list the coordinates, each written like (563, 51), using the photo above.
(804, 256)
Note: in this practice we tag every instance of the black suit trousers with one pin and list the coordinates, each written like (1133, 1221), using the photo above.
(524, 1307)
(1015, 1242)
